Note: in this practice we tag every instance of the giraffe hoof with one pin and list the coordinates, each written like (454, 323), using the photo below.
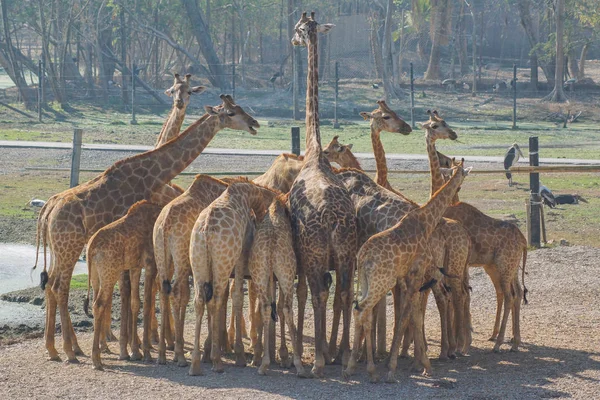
(492, 339)
(73, 360)
(346, 375)
(496, 349)
(54, 358)
(124, 357)
(147, 356)
(391, 378)
(304, 375)
(318, 372)
(262, 371)
(135, 356)
(452, 356)
(182, 363)
(374, 378)
(79, 352)
(171, 347)
(514, 349)
(195, 371)
(443, 357)
(98, 367)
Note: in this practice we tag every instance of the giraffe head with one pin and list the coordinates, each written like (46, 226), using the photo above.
(437, 128)
(233, 116)
(181, 91)
(455, 167)
(385, 119)
(306, 27)
(337, 152)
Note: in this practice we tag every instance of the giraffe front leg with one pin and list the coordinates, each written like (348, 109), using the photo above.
(135, 310)
(125, 289)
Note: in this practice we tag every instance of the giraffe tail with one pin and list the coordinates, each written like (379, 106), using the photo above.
(41, 230)
(523, 276)
(86, 301)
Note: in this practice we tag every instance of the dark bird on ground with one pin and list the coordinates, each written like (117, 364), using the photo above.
(547, 196)
(511, 158)
(375, 86)
(569, 199)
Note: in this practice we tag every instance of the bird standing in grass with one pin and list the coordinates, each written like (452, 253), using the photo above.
(511, 158)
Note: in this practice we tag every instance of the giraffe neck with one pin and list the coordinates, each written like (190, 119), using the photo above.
(166, 162)
(313, 134)
(255, 197)
(437, 181)
(172, 126)
(350, 161)
(381, 176)
(439, 202)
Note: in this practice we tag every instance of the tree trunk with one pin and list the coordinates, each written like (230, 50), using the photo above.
(123, 33)
(200, 30)
(558, 94)
(584, 51)
(573, 63)
(386, 50)
(533, 81)
(462, 41)
(439, 23)
(532, 36)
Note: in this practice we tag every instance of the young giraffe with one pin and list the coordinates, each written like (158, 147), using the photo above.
(322, 215)
(497, 246)
(181, 91)
(379, 209)
(399, 253)
(171, 239)
(123, 245)
(70, 218)
(272, 252)
(219, 243)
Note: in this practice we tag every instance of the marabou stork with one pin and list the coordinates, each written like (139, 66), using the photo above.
(511, 158)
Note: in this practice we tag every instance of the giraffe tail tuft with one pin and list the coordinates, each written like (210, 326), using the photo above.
(525, 291)
(208, 291)
(327, 280)
(43, 279)
(356, 307)
(166, 286)
(274, 311)
(428, 285)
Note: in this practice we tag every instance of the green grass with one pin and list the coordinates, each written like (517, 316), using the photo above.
(79, 281)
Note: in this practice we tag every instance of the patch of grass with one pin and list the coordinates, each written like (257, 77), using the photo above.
(79, 281)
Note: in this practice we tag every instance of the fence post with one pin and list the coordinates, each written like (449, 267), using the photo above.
(336, 124)
(133, 121)
(514, 85)
(40, 83)
(76, 157)
(296, 140)
(412, 98)
(533, 234)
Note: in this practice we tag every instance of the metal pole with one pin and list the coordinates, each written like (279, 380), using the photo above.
(296, 140)
(233, 80)
(133, 121)
(412, 98)
(40, 83)
(336, 124)
(76, 157)
(514, 84)
(535, 199)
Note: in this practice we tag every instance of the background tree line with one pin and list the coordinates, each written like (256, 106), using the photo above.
(88, 46)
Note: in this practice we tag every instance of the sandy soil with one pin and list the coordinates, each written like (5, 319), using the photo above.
(560, 356)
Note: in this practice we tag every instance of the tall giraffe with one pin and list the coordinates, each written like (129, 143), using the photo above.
(400, 253)
(181, 92)
(219, 244)
(378, 209)
(322, 215)
(70, 218)
(498, 246)
(454, 237)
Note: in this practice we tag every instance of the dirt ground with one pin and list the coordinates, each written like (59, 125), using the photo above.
(560, 355)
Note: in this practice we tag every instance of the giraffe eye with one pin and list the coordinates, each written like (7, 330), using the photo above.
(190, 92)
(387, 117)
(230, 113)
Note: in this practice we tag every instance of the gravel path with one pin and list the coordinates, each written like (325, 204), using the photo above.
(560, 355)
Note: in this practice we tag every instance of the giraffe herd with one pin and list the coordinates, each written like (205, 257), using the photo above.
(302, 219)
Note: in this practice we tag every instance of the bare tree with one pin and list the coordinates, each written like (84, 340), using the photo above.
(558, 94)
(441, 18)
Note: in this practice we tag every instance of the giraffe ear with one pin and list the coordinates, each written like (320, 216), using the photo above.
(468, 170)
(425, 125)
(198, 89)
(366, 115)
(325, 28)
(349, 146)
(169, 91)
(210, 110)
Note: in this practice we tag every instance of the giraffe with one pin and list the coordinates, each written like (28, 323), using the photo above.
(171, 240)
(322, 215)
(219, 244)
(498, 246)
(399, 254)
(69, 218)
(272, 252)
(123, 245)
(378, 209)
(181, 92)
